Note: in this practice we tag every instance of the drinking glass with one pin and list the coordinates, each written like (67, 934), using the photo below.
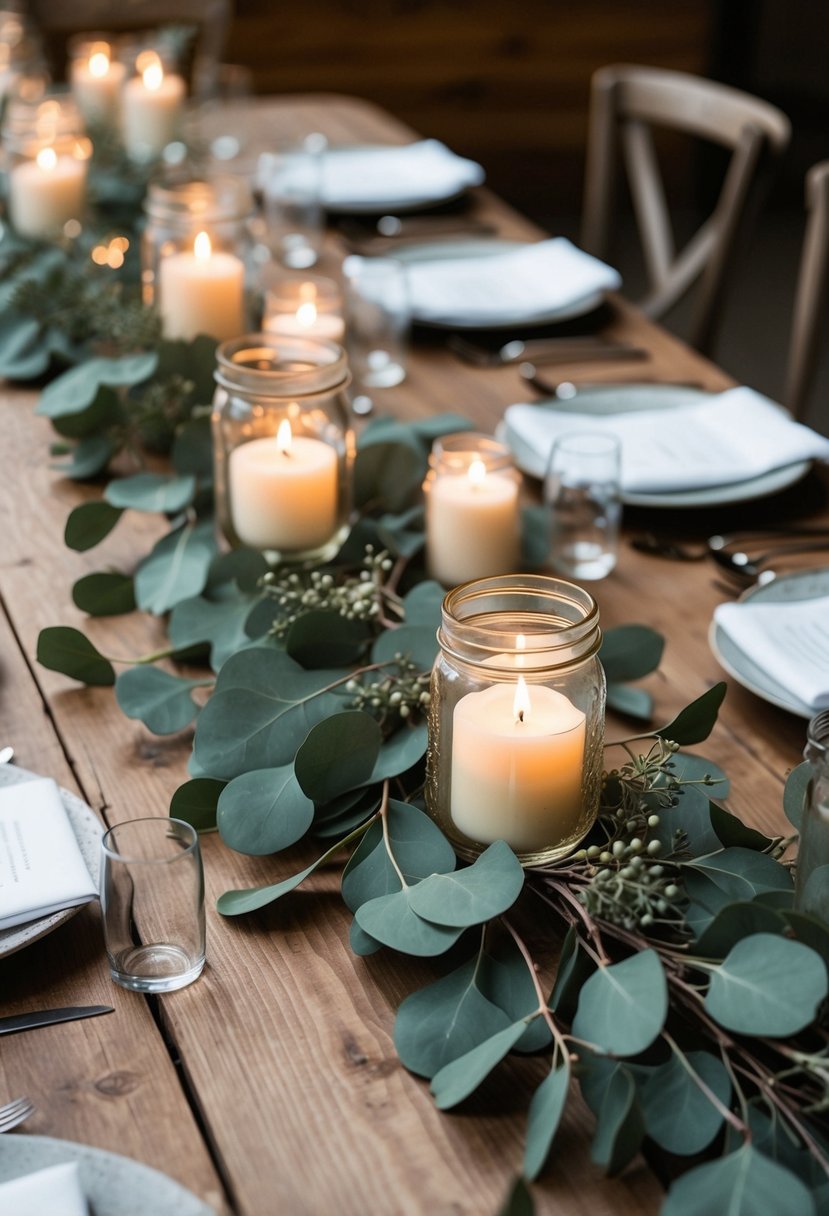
(378, 317)
(152, 900)
(582, 490)
(291, 180)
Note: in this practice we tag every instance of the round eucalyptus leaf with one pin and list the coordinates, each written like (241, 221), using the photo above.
(401, 751)
(745, 1183)
(220, 624)
(89, 457)
(422, 604)
(767, 985)
(388, 473)
(244, 567)
(633, 702)
(177, 567)
(391, 920)
(89, 523)
(620, 1129)
(419, 848)
(325, 639)
(743, 873)
(734, 922)
(263, 811)
(445, 1020)
(546, 1108)
(163, 702)
(474, 894)
(67, 650)
(622, 1007)
(629, 652)
(361, 943)
(196, 801)
(678, 1115)
(418, 642)
(696, 721)
(104, 594)
(151, 492)
(338, 754)
(462, 1076)
(72, 392)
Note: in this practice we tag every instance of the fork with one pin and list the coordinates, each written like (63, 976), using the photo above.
(15, 1112)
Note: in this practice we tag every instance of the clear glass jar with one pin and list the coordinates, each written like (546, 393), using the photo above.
(197, 256)
(302, 305)
(46, 158)
(283, 446)
(473, 519)
(516, 721)
(97, 71)
(152, 104)
(812, 867)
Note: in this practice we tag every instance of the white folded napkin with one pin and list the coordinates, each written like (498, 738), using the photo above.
(42, 869)
(422, 172)
(56, 1191)
(530, 283)
(727, 438)
(788, 640)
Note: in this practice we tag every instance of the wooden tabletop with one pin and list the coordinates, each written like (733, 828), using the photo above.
(272, 1084)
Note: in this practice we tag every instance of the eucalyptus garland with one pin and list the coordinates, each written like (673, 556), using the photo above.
(689, 996)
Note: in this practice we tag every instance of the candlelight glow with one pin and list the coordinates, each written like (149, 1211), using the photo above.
(99, 63)
(476, 473)
(521, 702)
(201, 246)
(284, 438)
(306, 315)
(47, 158)
(153, 74)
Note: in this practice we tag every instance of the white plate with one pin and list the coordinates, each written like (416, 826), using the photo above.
(87, 828)
(114, 1186)
(433, 251)
(620, 398)
(801, 585)
(468, 174)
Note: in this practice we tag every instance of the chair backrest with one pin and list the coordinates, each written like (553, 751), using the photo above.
(810, 292)
(626, 102)
(57, 19)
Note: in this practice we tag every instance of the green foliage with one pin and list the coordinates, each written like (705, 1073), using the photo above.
(622, 1007)
(68, 651)
(162, 701)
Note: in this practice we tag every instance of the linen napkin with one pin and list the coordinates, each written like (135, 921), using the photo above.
(42, 869)
(527, 284)
(422, 172)
(56, 1191)
(788, 640)
(727, 438)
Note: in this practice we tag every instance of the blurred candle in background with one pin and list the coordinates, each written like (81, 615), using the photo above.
(152, 106)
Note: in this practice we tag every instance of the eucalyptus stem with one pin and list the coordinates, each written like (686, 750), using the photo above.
(724, 1110)
(543, 1007)
(384, 817)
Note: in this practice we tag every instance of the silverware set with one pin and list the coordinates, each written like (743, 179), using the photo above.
(14, 1113)
(393, 231)
(733, 553)
(576, 349)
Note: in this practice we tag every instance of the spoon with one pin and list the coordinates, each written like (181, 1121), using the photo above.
(747, 569)
(6, 755)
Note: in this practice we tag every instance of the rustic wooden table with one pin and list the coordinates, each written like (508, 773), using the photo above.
(272, 1084)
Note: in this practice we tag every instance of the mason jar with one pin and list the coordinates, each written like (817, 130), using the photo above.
(473, 519)
(812, 865)
(46, 157)
(283, 446)
(197, 256)
(516, 720)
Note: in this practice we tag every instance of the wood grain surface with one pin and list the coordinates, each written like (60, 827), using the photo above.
(278, 1064)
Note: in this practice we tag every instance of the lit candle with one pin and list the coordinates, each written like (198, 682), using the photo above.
(96, 85)
(46, 192)
(283, 491)
(472, 525)
(152, 104)
(201, 292)
(305, 309)
(517, 761)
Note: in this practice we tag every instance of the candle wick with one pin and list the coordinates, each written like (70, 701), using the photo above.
(520, 715)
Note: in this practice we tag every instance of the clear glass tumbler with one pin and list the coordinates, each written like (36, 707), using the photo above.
(378, 317)
(152, 900)
(582, 489)
(291, 179)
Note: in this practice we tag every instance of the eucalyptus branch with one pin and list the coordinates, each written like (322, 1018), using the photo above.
(543, 1007)
(738, 1124)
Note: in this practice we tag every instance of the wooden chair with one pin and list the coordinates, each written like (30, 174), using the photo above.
(810, 292)
(626, 103)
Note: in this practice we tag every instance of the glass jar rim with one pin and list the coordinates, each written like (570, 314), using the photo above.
(268, 365)
(817, 737)
(194, 200)
(532, 622)
(43, 120)
(187, 830)
(451, 453)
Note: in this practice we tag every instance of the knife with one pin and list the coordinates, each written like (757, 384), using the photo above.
(47, 1017)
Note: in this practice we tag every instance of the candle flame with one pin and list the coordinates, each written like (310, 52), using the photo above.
(153, 73)
(47, 158)
(476, 473)
(202, 247)
(306, 315)
(521, 703)
(284, 438)
(99, 63)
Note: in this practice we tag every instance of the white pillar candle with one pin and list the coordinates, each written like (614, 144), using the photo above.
(201, 293)
(302, 310)
(283, 491)
(96, 85)
(472, 525)
(517, 762)
(151, 110)
(46, 192)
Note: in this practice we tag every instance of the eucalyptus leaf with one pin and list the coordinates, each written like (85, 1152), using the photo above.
(743, 873)
(767, 985)
(706, 900)
(678, 1115)
(242, 567)
(419, 849)
(196, 802)
(629, 652)
(535, 535)
(633, 702)
(423, 603)
(732, 831)
(326, 827)
(89, 457)
(809, 929)
(218, 623)
(388, 474)
(89, 523)
(418, 642)
(433, 426)
(744, 1183)
(338, 754)
(458, 1079)
(76, 389)
(193, 360)
(795, 793)
(693, 816)
(519, 1201)
(507, 983)
(323, 638)
(192, 450)
(151, 492)
(474, 894)
(177, 567)
(104, 594)
(734, 922)
(361, 943)
(575, 966)
(401, 751)
(67, 650)
(546, 1108)
(621, 1127)
(250, 899)
(445, 1020)
(695, 722)
(163, 702)
(264, 811)
(623, 1006)
(390, 919)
